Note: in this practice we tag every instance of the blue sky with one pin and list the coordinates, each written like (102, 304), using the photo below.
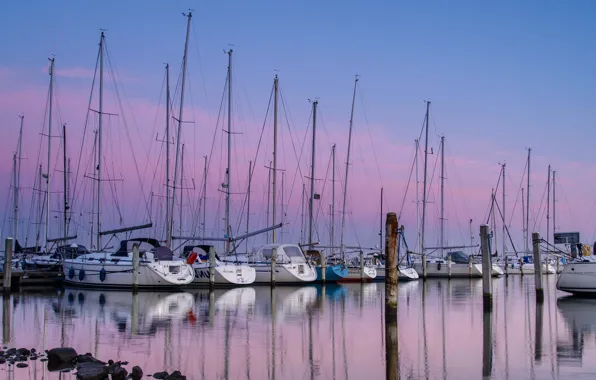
(501, 76)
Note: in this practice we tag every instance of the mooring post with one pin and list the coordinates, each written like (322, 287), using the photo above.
(6, 318)
(391, 233)
(273, 265)
(391, 342)
(538, 332)
(487, 294)
(470, 266)
(7, 264)
(558, 261)
(537, 267)
(362, 266)
(506, 266)
(487, 344)
(521, 265)
(424, 267)
(134, 323)
(323, 256)
(449, 267)
(135, 267)
(211, 266)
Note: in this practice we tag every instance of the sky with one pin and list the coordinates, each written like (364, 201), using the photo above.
(501, 77)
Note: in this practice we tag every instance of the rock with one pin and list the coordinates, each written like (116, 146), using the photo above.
(87, 358)
(113, 367)
(176, 375)
(62, 355)
(11, 351)
(22, 365)
(33, 350)
(119, 374)
(2, 360)
(124, 363)
(92, 371)
(160, 375)
(24, 351)
(110, 362)
(21, 358)
(2, 353)
(137, 373)
(33, 357)
(43, 359)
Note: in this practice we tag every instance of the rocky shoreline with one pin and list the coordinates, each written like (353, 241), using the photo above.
(66, 359)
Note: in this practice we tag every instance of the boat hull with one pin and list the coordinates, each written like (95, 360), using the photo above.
(333, 273)
(355, 275)
(226, 274)
(441, 270)
(159, 274)
(285, 273)
(578, 279)
(403, 274)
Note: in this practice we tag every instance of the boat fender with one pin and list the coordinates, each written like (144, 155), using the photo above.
(192, 258)
(81, 274)
(439, 266)
(71, 273)
(102, 275)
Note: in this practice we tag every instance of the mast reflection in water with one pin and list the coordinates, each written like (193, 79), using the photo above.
(315, 332)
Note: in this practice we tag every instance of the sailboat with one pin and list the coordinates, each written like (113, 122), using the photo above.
(157, 266)
(291, 263)
(453, 264)
(224, 273)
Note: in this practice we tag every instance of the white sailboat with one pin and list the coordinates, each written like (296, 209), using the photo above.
(157, 266)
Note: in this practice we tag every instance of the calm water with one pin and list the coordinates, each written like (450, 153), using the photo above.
(311, 333)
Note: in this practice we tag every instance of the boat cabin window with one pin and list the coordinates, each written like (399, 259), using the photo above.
(294, 253)
(458, 257)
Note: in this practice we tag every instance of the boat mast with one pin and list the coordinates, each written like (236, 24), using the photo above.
(554, 200)
(442, 196)
(417, 144)
(94, 189)
(302, 213)
(424, 181)
(180, 113)
(41, 206)
(17, 178)
(99, 130)
(168, 230)
(205, 197)
(503, 216)
(381, 225)
(528, 207)
(282, 216)
(229, 171)
(15, 196)
(548, 207)
(332, 230)
(48, 180)
(65, 169)
(181, 185)
(248, 202)
(343, 209)
(275, 91)
(524, 230)
(312, 172)
(268, 196)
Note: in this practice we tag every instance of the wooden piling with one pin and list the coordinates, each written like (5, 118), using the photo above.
(538, 331)
(211, 266)
(134, 318)
(487, 344)
(6, 318)
(7, 265)
(470, 266)
(391, 233)
(537, 267)
(487, 294)
(424, 268)
(362, 266)
(135, 267)
(273, 265)
(521, 266)
(449, 267)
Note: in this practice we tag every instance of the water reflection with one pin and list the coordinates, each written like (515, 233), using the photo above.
(316, 332)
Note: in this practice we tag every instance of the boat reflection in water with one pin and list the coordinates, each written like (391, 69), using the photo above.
(578, 314)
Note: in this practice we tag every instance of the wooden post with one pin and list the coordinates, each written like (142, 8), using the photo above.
(135, 267)
(521, 265)
(506, 265)
(558, 262)
(6, 317)
(361, 266)
(391, 342)
(487, 294)
(424, 269)
(7, 264)
(273, 265)
(211, 266)
(537, 267)
(538, 328)
(391, 232)
(323, 266)
(134, 318)
(487, 344)
(470, 266)
(449, 267)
